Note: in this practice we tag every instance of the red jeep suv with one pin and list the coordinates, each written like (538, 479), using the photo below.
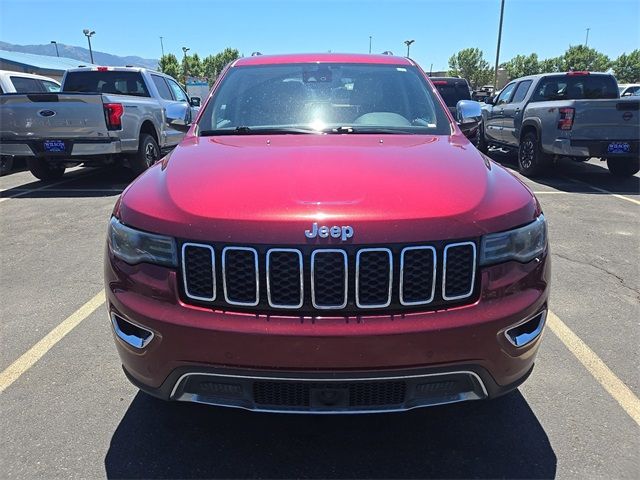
(325, 239)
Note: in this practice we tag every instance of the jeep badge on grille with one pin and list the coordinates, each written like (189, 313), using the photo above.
(344, 232)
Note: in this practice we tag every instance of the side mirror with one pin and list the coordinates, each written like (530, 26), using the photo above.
(489, 100)
(468, 116)
(195, 101)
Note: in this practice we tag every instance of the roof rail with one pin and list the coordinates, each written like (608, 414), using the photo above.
(387, 52)
(256, 54)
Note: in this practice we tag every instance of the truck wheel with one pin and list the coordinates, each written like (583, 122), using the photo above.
(44, 170)
(148, 153)
(532, 160)
(482, 144)
(6, 164)
(623, 167)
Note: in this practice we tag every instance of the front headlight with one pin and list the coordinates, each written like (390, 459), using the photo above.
(134, 246)
(522, 244)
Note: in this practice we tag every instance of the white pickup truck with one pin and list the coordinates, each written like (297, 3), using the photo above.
(574, 114)
(102, 115)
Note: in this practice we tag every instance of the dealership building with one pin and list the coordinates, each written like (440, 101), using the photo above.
(49, 66)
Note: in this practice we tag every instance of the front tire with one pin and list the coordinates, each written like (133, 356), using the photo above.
(44, 170)
(482, 144)
(623, 167)
(148, 153)
(532, 161)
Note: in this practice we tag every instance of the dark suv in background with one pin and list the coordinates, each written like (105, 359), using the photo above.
(452, 90)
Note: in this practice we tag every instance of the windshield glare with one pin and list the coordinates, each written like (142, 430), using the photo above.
(323, 97)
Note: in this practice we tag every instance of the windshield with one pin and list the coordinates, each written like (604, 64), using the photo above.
(324, 97)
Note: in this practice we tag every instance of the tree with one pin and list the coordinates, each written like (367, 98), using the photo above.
(469, 63)
(195, 66)
(213, 64)
(627, 67)
(169, 64)
(522, 65)
(551, 65)
(580, 57)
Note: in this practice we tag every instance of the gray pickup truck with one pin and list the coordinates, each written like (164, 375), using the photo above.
(102, 115)
(574, 114)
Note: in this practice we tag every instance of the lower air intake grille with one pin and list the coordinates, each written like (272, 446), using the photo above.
(352, 394)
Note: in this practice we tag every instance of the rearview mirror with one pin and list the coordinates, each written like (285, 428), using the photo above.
(468, 116)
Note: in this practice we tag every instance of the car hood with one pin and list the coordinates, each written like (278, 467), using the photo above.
(270, 189)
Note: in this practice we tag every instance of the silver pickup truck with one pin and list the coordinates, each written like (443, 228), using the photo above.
(573, 114)
(102, 115)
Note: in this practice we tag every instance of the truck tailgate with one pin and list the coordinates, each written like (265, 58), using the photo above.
(606, 119)
(52, 116)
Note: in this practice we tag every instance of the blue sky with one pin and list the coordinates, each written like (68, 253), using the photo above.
(439, 28)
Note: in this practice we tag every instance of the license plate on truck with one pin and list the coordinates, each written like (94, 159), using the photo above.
(54, 146)
(619, 147)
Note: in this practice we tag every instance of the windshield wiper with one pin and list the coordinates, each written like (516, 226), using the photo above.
(368, 129)
(245, 130)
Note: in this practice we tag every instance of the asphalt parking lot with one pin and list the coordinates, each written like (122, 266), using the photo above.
(68, 410)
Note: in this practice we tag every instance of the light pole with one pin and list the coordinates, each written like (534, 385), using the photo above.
(408, 44)
(56, 44)
(162, 46)
(89, 34)
(370, 37)
(586, 41)
(184, 61)
(495, 73)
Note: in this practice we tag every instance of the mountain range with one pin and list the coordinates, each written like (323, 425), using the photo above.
(82, 54)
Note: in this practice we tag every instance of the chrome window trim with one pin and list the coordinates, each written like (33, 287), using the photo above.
(444, 271)
(213, 271)
(433, 278)
(390, 255)
(290, 250)
(346, 278)
(224, 276)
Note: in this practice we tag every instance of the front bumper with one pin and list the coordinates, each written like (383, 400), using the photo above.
(197, 354)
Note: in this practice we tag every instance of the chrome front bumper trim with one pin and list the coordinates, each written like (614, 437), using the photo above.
(245, 382)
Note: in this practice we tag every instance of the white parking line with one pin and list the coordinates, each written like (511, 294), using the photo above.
(596, 367)
(35, 353)
(602, 190)
(68, 190)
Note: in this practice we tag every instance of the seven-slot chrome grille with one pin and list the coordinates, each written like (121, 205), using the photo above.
(329, 281)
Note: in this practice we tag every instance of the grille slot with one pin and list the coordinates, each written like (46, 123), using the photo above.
(285, 284)
(329, 273)
(459, 270)
(417, 275)
(374, 277)
(199, 267)
(240, 276)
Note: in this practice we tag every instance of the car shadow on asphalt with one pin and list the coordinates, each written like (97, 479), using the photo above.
(570, 176)
(84, 182)
(494, 439)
